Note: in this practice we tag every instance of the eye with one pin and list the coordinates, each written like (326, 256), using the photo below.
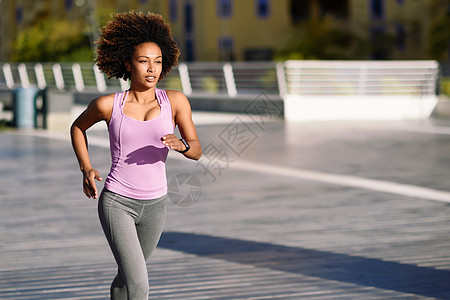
(159, 62)
(142, 61)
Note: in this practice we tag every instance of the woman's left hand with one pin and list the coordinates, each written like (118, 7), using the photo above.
(173, 142)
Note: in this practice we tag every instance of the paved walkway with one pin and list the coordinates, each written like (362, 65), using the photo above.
(274, 210)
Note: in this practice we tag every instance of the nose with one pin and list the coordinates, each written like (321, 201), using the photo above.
(150, 68)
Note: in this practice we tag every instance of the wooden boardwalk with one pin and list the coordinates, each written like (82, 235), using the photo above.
(349, 210)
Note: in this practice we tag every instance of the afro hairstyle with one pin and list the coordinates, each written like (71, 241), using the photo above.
(119, 38)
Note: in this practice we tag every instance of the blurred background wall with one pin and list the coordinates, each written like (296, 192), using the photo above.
(231, 30)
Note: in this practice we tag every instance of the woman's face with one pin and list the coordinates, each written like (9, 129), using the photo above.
(145, 65)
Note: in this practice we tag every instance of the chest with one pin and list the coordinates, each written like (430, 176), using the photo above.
(142, 112)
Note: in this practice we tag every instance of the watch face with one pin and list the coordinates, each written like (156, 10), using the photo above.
(186, 145)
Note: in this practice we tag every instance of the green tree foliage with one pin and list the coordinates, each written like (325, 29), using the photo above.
(53, 40)
(323, 39)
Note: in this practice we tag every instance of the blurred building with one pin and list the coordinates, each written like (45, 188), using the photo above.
(211, 30)
(396, 29)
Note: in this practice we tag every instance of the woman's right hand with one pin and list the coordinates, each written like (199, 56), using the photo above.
(89, 187)
(99, 109)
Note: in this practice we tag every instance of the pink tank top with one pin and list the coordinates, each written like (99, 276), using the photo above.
(137, 154)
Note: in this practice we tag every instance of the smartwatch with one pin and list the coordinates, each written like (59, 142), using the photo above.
(186, 145)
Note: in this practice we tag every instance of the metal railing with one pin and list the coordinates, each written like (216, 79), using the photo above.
(194, 78)
(362, 78)
(371, 78)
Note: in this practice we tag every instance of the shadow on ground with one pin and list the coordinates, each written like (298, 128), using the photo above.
(388, 275)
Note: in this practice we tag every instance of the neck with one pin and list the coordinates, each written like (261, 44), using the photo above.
(143, 96)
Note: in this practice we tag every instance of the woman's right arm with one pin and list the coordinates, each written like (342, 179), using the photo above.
(99, 109)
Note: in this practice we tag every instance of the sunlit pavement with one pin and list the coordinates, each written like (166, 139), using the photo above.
(273, 210)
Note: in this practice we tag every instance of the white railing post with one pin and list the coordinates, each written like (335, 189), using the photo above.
(124, 84)
(229, 80)
(281, 79)
(78, 77)
(40, 77)
(185, 79)
(8, 75)
(435, 78)
(23, 75)
(99, 79)
(58, 75)
(362, 81)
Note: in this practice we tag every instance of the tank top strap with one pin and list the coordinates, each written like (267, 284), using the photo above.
(164, 101)
(122, 98)
(119, 100)
(162, 96)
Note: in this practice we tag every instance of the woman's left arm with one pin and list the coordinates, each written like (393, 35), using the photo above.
(183, 119)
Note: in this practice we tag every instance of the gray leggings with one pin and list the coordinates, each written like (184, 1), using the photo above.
(132, 228)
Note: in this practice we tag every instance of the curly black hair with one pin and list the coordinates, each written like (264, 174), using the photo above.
(119, 38)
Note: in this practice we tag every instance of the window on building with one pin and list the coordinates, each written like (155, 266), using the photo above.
(262, 8)
(188, 18)
(400, 40)
(224, 8)
(300, 10)
(173, 10)
(377, 9)
(258, 54)
(226, 48)
(334, 8)
(380, 43)
(68, 4)
(19, 14)
(189, 50)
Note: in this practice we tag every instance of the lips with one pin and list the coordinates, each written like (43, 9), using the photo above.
(150, 78)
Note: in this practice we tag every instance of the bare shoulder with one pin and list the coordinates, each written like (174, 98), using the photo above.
(102, 106)
(177, 99)
(175, 95)
(104, 102)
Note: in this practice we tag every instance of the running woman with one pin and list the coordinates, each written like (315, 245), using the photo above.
(141, 123)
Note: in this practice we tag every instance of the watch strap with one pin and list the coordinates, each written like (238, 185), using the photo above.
(186, 145)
